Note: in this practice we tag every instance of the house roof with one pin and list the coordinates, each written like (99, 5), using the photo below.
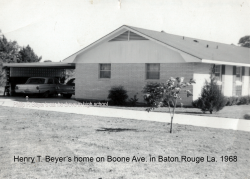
(201, 48)
(206, 51)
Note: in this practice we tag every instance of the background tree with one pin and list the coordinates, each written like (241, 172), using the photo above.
(245, 41)
(11, 52)
(27, 55)
(161, 94)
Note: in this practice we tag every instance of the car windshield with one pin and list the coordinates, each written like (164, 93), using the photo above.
(36, 81)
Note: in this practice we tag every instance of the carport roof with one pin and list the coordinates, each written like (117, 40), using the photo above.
(41, 64)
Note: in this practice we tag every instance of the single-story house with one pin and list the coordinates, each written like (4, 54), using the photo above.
(131, 57)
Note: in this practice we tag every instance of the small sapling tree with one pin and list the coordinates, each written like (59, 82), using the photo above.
(166, 94)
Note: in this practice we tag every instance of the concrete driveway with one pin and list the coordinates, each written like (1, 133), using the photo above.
(71, 106)
(58, 99)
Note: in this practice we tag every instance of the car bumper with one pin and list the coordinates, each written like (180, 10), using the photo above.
(28, 91)
(68, 93)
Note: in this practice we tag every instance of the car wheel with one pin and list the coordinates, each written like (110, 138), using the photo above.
(67, 95)
(46, 94)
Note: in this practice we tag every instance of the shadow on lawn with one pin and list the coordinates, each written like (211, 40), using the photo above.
(115, 130)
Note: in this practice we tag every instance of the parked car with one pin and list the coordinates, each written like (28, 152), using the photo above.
(67, 89)
(38, 86)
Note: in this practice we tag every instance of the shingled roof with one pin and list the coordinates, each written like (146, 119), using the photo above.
(206, 51)
(201, 48)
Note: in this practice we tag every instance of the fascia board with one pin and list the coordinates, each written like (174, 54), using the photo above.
(224, 63)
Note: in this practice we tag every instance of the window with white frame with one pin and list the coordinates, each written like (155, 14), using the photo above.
(217, 72)
(105, 70)
(238, 81)
(238, 74)
(153, 71)
(238, 90)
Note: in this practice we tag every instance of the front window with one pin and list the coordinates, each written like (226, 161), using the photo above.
(36, 81)
(153, 71)
(238, 73)
(217, 72)
(105, 70)
(238, 90)
(238, 81)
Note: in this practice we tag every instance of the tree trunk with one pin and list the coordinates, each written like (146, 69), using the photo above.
(171, 124)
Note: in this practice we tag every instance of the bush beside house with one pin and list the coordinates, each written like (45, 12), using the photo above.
(211, 98)
(231, 101)
(118, 95)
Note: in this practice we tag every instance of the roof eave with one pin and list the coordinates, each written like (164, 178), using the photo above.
(224, 63)
(46, 64)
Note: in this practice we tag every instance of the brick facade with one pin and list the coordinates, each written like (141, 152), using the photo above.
(130, 75)
(133, 77)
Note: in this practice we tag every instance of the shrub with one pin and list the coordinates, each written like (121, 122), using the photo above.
(211, 98)
(194, 103)
(118, 95)
(238, 100)
(133, 101)
(247, 116)
(232, 101)
(244, 100)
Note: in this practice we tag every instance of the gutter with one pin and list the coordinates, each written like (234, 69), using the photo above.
(224, 63)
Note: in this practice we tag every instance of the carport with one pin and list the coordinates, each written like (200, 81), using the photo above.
(18, 73)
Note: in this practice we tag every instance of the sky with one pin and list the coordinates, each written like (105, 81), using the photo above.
(56, 29)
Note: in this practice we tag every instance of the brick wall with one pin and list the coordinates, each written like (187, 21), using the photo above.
(129, 75)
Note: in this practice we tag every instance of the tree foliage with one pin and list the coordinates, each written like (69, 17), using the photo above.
(245, 41)
(166, 94)
(11, 52)
(27, 55)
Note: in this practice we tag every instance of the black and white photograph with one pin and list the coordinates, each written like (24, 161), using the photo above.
(124, 89)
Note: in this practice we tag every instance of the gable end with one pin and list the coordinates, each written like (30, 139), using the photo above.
(128, 36)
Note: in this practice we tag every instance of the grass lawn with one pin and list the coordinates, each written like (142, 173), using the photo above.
(236, 111)
(29, 133)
